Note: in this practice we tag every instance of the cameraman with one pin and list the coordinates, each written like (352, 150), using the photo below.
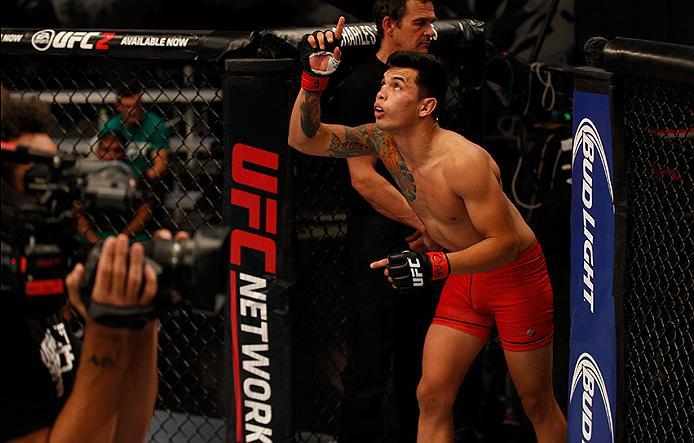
(46, 396)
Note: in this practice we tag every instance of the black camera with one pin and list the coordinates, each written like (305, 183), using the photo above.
(39, 246)
(192, 270)
(38, 225)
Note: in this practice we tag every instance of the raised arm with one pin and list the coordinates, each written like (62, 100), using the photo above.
(84, 227)
(308, 135)
(320, 56)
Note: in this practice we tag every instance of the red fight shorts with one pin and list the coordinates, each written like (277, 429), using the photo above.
(517, 298)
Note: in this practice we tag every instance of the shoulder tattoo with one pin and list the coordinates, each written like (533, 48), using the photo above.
(392, 159)
(355, 144)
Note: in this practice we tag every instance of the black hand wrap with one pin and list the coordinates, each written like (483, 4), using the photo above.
(131, 317)
(306, 51)
(411, 271)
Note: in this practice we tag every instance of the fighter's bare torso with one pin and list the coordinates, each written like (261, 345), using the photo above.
(429, 189)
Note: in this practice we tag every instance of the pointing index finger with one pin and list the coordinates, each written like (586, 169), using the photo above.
(340, 26)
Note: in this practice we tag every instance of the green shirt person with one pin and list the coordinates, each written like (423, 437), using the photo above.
(145, 133)
(94, 227)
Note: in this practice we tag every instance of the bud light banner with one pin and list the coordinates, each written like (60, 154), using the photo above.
(593, 355)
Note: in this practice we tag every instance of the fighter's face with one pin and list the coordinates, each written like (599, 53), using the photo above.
(398, 101)
(414, 31)
(130, 109)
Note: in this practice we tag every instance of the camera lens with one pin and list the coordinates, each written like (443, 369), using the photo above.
(194, 269)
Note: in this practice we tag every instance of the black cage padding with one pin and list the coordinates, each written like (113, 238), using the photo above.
(665, 61)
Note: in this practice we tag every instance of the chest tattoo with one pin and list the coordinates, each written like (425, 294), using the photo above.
(397, 167)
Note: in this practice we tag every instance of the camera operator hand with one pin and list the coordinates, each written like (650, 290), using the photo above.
(115, 387)
(119, 278)
(114, 393)
(123, 281)
(47, 395)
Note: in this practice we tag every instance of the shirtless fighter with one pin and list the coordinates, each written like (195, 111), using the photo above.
(495, 268)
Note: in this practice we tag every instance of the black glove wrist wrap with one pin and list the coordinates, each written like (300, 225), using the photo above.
(411, 271)
(306, 50)
(130, 317)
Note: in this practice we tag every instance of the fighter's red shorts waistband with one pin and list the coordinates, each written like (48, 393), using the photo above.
(532, 252)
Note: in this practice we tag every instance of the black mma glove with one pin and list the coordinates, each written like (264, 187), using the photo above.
(411, 271)
(312, 80)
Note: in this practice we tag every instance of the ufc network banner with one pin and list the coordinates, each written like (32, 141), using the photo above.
(258, 209)
(593, 356)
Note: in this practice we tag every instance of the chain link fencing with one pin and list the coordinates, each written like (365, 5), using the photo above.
(658, 307)
(185, 101)
(319, 304)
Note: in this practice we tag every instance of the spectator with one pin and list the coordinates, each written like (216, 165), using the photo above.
(96, 227)
(111, 146)
(145, 134)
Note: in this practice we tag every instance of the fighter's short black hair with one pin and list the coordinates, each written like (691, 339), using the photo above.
(432, 75)
(23, 116)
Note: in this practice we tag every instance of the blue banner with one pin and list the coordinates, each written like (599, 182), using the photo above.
(593, 355)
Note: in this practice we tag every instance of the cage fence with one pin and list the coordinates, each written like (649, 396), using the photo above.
(658, 307)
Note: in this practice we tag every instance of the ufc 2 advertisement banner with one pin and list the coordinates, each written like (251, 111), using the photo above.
(126, 43)
(593, 359)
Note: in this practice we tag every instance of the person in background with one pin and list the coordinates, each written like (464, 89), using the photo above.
(96, 227)
(145, 133)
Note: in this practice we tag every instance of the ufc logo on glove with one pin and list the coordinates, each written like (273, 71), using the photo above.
(417, 276)
(411, 271)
